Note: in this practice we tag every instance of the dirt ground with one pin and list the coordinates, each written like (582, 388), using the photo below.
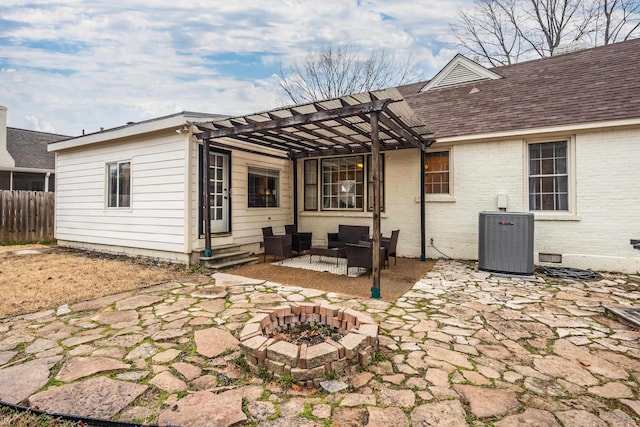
(53, 276)
(394, 281)
(40, 277)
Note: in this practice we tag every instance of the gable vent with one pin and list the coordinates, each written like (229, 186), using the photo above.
(460, 70)
(460, 74)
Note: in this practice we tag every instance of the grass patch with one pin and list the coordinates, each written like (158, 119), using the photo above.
(286, 381)
(379, 357)
(226, 352)
(52, 383)
(265, 375)
(332, 375)
(275, 415)
(12, 418)
(308, 412)
(242, 363)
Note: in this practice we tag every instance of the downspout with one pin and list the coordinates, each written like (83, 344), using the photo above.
(206, 205)
(295, 192)
(423, 210)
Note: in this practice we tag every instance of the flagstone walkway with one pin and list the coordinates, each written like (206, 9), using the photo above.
(460, 348)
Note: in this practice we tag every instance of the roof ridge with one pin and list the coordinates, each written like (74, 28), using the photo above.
(37, 131)
(588, 50)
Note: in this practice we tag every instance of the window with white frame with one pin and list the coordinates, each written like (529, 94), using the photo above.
(263, 188)
(119, 184)
(548, 176)
(436, 173)
(341, 183)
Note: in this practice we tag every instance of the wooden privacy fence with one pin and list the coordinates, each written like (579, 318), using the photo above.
(26, 216)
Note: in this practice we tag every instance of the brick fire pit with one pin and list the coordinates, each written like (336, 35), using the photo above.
(309, 364)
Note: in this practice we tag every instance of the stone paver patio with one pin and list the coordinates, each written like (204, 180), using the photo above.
(460, 348)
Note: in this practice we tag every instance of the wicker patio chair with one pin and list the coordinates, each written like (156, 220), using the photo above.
(361, 256)
(300, 241)
(276, 245)
(389, 245)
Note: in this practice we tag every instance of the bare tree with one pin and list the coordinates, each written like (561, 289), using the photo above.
(619, 20)
(334, 71)
(490, 32)
(501, 32)
(555, 21)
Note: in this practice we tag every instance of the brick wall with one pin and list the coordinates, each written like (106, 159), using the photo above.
(595, 235)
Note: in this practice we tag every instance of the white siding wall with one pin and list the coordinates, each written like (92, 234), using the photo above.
(246, 223)
(155, 221)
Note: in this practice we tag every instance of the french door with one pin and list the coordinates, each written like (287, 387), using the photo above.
(219, 192)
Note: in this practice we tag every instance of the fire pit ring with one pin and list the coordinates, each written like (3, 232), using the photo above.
(308, 365)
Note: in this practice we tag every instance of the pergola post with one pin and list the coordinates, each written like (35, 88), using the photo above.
(423, 224)
(375, 177)
(206, 201)
(295, 192)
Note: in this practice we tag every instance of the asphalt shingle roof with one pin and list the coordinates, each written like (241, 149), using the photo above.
(29, 148)
(580, 87)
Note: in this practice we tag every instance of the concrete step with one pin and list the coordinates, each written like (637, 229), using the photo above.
(225, 257)
(222, 255)
(231, 247)
(229, 263)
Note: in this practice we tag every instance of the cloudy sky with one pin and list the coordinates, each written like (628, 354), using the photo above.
(69, 65)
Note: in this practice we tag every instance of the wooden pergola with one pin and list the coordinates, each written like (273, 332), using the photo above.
(368, 122)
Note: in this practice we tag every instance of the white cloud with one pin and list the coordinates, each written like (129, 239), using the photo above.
(90, 64)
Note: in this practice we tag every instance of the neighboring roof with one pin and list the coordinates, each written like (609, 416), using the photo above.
(594, 85)
(133, 128)
(29, 148)
(460, 70)
(333, 126)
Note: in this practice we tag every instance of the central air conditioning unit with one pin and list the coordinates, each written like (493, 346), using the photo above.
(505, 244)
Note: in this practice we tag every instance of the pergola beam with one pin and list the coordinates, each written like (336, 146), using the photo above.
(292, 121)
(391, 125)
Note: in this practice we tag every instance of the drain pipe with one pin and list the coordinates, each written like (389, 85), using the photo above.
(85, 421)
